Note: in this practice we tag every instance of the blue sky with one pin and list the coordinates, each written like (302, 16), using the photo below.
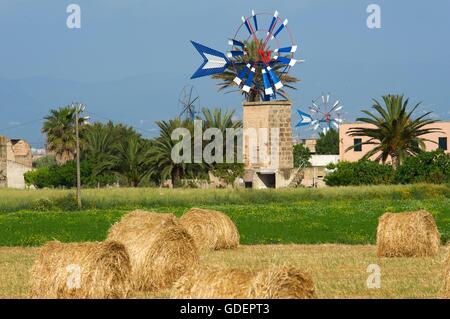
(131, 58)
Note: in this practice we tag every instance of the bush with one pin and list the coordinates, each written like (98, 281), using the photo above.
(426, 167)
(363, 172)
(64, 176)
(301, 156)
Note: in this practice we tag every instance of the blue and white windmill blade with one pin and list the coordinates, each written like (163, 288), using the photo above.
(213, 61)
(255, 21)
(291, 49)
(247, 25)
(235, 42)
(267, 86)
(275, 80)
(284, 60)
(280, 28)
(248, 83)
(305, 119)
(238, 79)
(235, 53)
(272, 23)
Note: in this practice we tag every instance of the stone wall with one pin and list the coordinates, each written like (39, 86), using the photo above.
(15, 161)
(268, 115)
(3, 161)
(262, 117)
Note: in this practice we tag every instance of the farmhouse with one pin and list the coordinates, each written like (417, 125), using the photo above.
(436, 141)
(15, 161)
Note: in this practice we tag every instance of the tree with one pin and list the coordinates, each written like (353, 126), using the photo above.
(162, 163)
(132, 160)
(328, 143)
(301, 156)
(252, 55)
(228, 172)
(394, 133)
(59, 126)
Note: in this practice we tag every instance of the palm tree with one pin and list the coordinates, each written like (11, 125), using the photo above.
(257, 93)
(99, 147)
(161, 152)
(218, 119)
(59, 126)
(395, 134)
(132, 160)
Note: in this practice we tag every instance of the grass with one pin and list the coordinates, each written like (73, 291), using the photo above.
(346, 215)
(339, 271)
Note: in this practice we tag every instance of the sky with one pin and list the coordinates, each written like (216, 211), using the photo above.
(130, 59)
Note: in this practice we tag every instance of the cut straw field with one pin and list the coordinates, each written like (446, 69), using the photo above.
(338, 271)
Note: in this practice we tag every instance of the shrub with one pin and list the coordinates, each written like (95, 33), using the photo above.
(426, 167)
(301, 156)
(363, 172)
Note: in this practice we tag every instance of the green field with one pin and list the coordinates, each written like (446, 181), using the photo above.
(347, 215)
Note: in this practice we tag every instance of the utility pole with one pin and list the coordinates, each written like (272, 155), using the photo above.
(78, 109)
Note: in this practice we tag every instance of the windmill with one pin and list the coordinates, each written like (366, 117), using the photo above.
(325, 115)
(276, 49)
(188, 102)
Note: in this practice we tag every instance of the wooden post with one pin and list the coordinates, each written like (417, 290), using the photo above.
(77, 110)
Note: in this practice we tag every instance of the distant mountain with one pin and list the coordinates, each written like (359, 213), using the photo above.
(134, 101)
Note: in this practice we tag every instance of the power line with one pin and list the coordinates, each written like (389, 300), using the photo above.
(20, 125)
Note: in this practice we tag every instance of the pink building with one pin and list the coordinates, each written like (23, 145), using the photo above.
(357, 152)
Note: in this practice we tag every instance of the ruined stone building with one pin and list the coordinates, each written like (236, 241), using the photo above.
(15, 161)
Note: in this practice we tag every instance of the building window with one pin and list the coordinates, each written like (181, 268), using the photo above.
(357, 147)
(443, 143)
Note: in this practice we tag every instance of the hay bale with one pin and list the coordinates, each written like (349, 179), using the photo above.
(213, 283)
(210, 229)
(271, 283)
(407, 235)
(447, 276)
(160, 250)
(282, 283)
(81, 270)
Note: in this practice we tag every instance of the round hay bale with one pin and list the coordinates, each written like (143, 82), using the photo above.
(210, 229)
(160, 250)
(407, 235)
(282, 283)
(81, 270)
(272, 283)
(213, 283)
(447, 276)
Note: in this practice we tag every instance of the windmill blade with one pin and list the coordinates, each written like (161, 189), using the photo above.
(238, 79)
(291, 49)
(213, 61)
(272, 23)
(339, 120)
(235, 42)
(247, 25)
(248, 83)
(284, 60)
(336, 103)
(235, 53)
(316, 126)
(314, 122)
(335, 124)
(267, 86)
(305, 119)
(255, 21)
(275, 80)
(325, 130)
(280, 28)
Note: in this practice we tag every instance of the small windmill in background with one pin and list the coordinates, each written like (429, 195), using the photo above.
(325, 115)
(189, 102)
